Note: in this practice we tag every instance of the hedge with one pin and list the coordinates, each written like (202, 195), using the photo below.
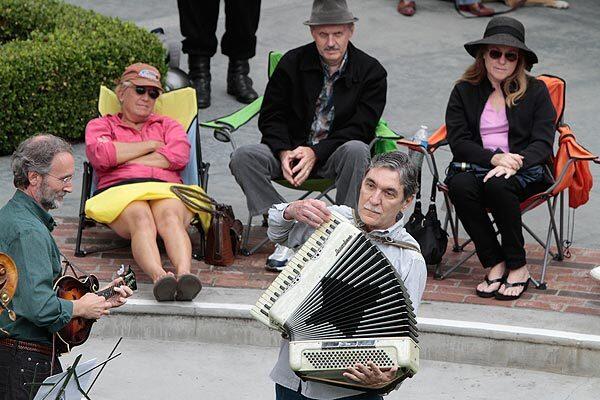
(53, 58)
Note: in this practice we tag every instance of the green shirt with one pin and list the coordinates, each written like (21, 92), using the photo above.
(25, 236)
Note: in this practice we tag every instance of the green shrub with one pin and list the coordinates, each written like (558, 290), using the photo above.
(53, 59)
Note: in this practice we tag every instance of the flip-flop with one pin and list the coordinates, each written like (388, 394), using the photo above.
(525, 284)
(487, 295)
(188, 287)
(164, 288)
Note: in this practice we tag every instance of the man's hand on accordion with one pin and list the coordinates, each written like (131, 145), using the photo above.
(310, 211)
(371, 375)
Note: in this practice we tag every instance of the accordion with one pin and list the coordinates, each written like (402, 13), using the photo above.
(340, 302)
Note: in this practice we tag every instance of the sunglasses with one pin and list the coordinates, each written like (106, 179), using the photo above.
(510, 56)
(152, 92)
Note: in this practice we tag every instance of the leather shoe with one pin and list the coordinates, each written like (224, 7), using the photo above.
(477, 9)
(238, 82)
(200, 78)
(407, 8)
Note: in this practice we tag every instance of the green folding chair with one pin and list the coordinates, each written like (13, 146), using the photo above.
(224, 127)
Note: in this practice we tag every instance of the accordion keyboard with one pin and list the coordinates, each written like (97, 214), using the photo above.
(290, 274)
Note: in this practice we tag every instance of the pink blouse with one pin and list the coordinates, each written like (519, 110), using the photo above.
(493, 128)
(100, 134)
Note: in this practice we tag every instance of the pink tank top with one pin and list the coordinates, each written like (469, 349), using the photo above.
(493, 128)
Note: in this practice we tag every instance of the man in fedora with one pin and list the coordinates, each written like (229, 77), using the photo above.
(318, 116)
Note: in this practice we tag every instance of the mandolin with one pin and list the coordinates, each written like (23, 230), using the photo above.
(78, 330)
(8, 284)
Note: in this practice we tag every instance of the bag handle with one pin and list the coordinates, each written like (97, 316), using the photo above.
(187, 194)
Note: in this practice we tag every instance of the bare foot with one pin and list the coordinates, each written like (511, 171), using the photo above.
(496, 272)
(514, 276)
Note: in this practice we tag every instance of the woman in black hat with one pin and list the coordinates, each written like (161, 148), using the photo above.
(500, 124)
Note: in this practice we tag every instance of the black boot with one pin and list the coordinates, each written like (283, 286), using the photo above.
(200, 77)
(238, 82)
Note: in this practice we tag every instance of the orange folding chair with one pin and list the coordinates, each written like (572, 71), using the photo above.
(569, 169)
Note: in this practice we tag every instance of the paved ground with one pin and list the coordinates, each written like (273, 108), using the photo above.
(209, 371)
(570, 288)
(423, 56)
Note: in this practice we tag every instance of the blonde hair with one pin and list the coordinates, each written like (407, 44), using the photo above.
(514, 86)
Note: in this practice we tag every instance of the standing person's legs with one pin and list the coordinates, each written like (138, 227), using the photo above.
(239, 44)
(254, 166)
(241, 24)
(17, 370)
(347, 165)
(198, 22)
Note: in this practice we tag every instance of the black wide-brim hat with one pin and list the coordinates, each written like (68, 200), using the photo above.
(504, 31)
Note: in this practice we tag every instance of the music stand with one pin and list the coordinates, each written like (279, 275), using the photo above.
(72, 384)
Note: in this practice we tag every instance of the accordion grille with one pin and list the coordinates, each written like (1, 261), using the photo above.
(361, 295)
(342, 359)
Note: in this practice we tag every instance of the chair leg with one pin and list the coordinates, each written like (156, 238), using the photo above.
(439, 275)
(246, 237)
(78, 251)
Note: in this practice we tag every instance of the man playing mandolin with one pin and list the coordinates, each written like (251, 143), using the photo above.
(43, 168)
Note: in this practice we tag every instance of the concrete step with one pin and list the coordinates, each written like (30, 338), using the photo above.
(461, 333)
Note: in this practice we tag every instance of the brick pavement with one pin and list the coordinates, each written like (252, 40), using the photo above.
(570, 288)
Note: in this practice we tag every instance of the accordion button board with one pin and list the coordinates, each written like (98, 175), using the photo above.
(340, 301)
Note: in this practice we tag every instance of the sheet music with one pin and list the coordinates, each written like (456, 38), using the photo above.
(72, 392)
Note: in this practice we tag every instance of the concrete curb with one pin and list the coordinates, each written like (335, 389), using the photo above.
(469, 342)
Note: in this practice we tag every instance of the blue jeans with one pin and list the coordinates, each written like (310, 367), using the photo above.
(283, 393)
(18, 368)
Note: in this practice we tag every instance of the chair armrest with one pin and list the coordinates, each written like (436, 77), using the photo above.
(224, 126)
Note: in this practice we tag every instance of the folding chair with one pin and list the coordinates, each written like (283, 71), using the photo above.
(224, 127)
(560, 181)
(178, 104)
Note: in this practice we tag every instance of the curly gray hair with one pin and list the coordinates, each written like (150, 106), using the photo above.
(35, 154)
(398, 161)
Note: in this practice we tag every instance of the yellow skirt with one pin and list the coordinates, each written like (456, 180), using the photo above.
(108, 205)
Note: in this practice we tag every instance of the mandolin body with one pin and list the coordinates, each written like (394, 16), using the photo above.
(78, 330)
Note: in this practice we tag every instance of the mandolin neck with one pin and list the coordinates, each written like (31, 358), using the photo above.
(108, 292)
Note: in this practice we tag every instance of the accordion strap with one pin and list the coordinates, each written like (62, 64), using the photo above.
(383, 239)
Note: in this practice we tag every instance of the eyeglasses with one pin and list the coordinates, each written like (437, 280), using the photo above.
(66, 180)
(510, 56)
(152, 92)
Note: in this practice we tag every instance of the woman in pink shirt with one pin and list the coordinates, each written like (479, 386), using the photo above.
(500, 124)
(137, 146)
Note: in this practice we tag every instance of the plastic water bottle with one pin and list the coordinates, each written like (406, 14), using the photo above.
(419, 137)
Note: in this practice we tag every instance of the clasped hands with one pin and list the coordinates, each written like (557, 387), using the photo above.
(505, 164)
(297, 164)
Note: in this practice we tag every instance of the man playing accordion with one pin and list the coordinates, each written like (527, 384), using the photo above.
(386, 192)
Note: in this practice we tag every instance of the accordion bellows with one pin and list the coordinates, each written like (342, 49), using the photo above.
(340, 301)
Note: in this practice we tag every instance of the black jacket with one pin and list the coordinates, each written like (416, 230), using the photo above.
(290, 101)
(530, 123)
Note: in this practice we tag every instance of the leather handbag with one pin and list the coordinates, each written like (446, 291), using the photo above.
(224, 235)
(427, 229)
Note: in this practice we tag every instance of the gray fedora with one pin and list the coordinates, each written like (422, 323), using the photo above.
(505, 31)
(330, 12)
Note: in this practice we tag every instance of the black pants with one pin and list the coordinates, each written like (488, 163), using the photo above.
(19, 368)
(198, 21)
(502, 197)
(283, 393)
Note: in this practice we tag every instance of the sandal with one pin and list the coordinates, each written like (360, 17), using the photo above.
(500, 296)
(407, 8)
(188, 287)
(487, 295)
(164, 288)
